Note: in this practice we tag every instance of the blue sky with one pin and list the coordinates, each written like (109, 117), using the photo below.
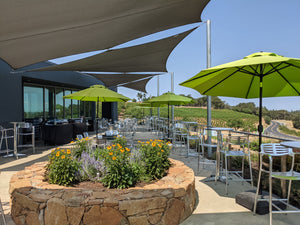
(238, 28)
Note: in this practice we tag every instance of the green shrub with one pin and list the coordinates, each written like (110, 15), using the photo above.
(82, 145)
(62, 169)
(154, 155)
(120, 172)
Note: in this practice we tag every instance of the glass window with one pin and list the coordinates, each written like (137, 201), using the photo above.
(88, 109)
(33, 102)
(49, 103)
(75, 107)
(59, 103)
(68, 105)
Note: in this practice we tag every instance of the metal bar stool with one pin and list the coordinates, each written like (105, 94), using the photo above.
(271, 151)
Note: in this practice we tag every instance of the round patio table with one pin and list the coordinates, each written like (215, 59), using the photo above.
(295, 145)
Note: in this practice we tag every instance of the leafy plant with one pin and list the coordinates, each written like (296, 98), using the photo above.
(154, 155)
(81, 146)
(62, 168)
(119, 171)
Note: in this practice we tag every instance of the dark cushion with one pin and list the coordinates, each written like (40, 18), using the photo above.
(247, 198)
(79, 128)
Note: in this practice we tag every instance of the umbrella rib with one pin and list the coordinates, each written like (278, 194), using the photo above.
(221, 81)
(298, 67)
(195, 78)
(249, 87)
(275, 68)
(287, 81)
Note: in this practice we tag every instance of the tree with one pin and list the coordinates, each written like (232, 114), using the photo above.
(236, 123)
(296, 121)
(141, 96)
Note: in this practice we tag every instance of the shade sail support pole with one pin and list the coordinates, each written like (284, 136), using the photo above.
(208, 65)
(172, 90)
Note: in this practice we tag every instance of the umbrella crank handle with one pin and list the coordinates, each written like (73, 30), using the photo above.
(260, 128)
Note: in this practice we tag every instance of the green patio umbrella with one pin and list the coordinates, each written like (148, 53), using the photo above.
(97, 93)
(258, 75)
(169, 98)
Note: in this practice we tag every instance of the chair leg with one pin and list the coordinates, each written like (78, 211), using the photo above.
(289, 190)
(257, 190)
(226, 174)
(270, 198)
(250, 170)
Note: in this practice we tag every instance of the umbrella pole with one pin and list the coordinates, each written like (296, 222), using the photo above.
(168, 121)
(260, 126)
(97, 112)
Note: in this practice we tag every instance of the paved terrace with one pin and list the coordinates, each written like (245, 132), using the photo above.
(213, 206)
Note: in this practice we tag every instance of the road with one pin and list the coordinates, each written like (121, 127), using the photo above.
(273, 131)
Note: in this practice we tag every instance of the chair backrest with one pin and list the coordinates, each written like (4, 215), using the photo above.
(275, 149)
(85, 134)
(212, 133)
(79, 136)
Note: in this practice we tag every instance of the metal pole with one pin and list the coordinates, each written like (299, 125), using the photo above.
(172, 90)
(208, 65)
(157, 94)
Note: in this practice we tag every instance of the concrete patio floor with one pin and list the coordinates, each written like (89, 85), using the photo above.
(213, 206)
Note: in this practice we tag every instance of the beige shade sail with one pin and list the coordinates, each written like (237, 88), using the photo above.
(34, 31)
(115, 79)
(138, 85)
(150, 57)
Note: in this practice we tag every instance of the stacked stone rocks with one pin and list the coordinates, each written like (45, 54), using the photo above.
(167, 201)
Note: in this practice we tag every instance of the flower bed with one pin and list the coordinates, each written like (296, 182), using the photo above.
(169, 200)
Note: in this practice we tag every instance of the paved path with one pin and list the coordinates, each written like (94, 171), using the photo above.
(272, 130)
(213, 206)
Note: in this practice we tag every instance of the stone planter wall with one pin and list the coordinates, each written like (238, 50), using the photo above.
(168, 201)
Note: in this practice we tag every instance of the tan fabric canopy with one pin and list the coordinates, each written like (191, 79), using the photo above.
(149, 57)
(137, 85)
(115, 79)
(34, 31)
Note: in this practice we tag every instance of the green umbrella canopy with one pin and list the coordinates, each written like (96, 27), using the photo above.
(169, 98)
(280, 77)
(97, 93)
(258, 75)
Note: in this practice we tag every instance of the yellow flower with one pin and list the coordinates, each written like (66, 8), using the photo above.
(159, 145)
(139, 141)
(114, 145)
(52, 157)
(109, 147)
(127, 149)
(147, 142)
(158, 153)
(114, 158)
(122, 150)
(57, 154)
(77, 139)
(52, 150)
(162, 150)
(68, 151)
(63, 156)
(57, 148)
(119, 146)
(151, 140)
(62, 150)
(72, 142)
(153, 144)
(110, 153)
